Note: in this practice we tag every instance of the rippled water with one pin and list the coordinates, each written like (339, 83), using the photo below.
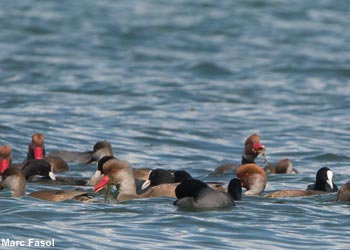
(180, 85)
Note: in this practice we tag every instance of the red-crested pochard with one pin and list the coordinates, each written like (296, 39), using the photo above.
(62, 195)
(344, 192)
(100, 149)
(120, 173)
(36, 151)
(14, 180)
(140, 174)
(283, 166)
(252, 149)
(30, 169)
(253, 178)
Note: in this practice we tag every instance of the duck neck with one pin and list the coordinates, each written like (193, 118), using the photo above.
(248, 158)
(256, 185)
(127, 187)
(16, 185)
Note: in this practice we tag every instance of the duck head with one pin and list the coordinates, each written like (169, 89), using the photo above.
(36, 149)
(253, 178)
(252, 148)
(5, 158)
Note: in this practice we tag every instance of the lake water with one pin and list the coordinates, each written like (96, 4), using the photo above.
(179, 85)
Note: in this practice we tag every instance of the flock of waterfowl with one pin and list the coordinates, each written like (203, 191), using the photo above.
(133, 183)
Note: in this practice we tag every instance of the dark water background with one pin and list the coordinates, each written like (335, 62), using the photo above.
(180, 85)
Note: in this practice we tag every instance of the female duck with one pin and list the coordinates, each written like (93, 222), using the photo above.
(120, 173)
(14, 180)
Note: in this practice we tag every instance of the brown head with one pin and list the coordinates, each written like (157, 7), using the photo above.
(253, 144)
(253, 178)
(101, 149)
(36, 149)
(252, 148)
(5, 157)
(115, 172)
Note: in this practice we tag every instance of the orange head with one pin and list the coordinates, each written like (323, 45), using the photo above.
(5, 157)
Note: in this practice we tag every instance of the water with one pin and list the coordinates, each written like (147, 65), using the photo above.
(180, 85)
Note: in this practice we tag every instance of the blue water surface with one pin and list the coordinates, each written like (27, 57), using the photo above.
(179, 85)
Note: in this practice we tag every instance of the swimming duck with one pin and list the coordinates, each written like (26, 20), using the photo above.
(323, 184)
(283, 166)
(120, 173)
(253, 178)
(252, 149)
(61, 195)
(30, 169)
(14, 180)
(100, 149)
(196, 194)
(344, 192)
(36, 151)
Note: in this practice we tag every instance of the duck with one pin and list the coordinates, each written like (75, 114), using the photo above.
(196, 194)
(252, 149)
(120, 173)
(30, 169)
(253, 178)
(283, 166)
(14, 180)
(100, 149)
(62, 195)
(323, 184)
(139, 174)
(36, 151)
(344, 192)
